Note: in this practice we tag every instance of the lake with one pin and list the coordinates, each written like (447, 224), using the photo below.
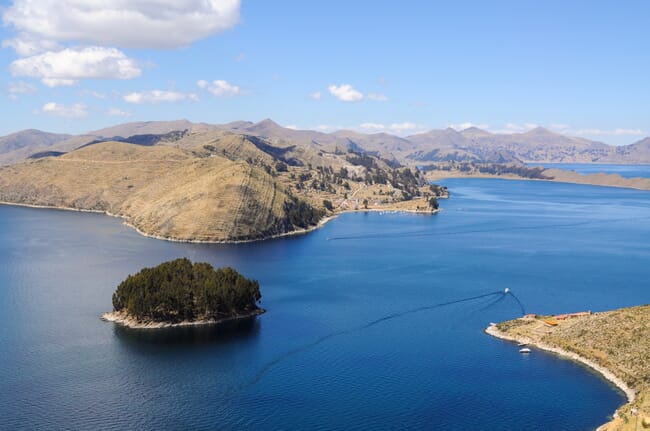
(626, 171)
(374, 321)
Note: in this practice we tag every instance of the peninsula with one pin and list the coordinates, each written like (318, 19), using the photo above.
(614, 343)
(440, 171)
(216, 186)
(179, 292)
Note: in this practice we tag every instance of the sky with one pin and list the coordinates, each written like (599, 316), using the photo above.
(580, 68)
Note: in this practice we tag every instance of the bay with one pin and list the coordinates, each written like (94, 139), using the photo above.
(355, 336)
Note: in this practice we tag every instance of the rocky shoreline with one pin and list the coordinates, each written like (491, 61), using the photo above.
(124, 319)
(125, 221)
(607, 374)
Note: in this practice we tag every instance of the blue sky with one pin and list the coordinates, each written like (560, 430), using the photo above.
(401, 67)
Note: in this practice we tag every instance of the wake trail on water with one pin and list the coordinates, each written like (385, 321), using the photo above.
(499, 295)
(428, 232)
(492, 303)
(521, 305)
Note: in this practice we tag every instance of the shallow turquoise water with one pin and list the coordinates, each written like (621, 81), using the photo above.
(340, 346)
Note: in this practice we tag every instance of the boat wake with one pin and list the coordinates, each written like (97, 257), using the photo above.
(429, 232)
(498, 296)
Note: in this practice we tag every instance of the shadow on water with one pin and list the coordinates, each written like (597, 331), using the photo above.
(199, 335)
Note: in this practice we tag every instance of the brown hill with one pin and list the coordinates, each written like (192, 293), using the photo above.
(18, 146)
(616, 341)
(162, 191)
(212, 185)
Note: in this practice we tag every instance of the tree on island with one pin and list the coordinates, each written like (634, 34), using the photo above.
(178, 291)
(433, 203)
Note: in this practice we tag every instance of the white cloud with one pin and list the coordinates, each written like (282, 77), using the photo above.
(66, 67)
(467, 125)
(219, 88)
(78, 110)
(403, 127)
(20, 87)
(163, 24)
(315, 95)
(377, 97)
(566, 129)
(345, 93)
(117, 112)
(372, 126)
(327, 128)
(511, 128)
(613, 132)
(159, 96)
(406, 127)
(514, 128)
(92, 93)
(27, 46)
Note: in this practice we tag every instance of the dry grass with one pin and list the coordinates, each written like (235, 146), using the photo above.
(618, 340)
(162, 191)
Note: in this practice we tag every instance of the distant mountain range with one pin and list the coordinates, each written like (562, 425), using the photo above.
(470, 145)
(21, 145)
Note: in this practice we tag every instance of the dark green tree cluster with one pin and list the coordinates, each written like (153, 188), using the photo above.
(490, 168)
(328, 205)
(178, 290)
(519, 170)
(300, 214)
(438, 191)
(360, 159)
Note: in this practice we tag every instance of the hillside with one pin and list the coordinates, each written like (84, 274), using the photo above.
(161, 191)
(617, 341)
(213, 185)
(538, 145)
(471, 145)
(18, 146)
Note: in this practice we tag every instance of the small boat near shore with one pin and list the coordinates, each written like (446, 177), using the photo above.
(524, 350)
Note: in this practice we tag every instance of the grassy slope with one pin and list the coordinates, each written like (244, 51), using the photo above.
(162, 191)
(206, 186)
(618, 340)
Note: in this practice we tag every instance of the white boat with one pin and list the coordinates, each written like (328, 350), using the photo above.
(506, 290)
(524, 350)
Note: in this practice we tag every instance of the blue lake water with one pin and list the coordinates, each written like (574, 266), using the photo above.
(626, 171)
(340, 346)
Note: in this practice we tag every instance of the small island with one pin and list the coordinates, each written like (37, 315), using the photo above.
(614, 343)
(179, 292)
